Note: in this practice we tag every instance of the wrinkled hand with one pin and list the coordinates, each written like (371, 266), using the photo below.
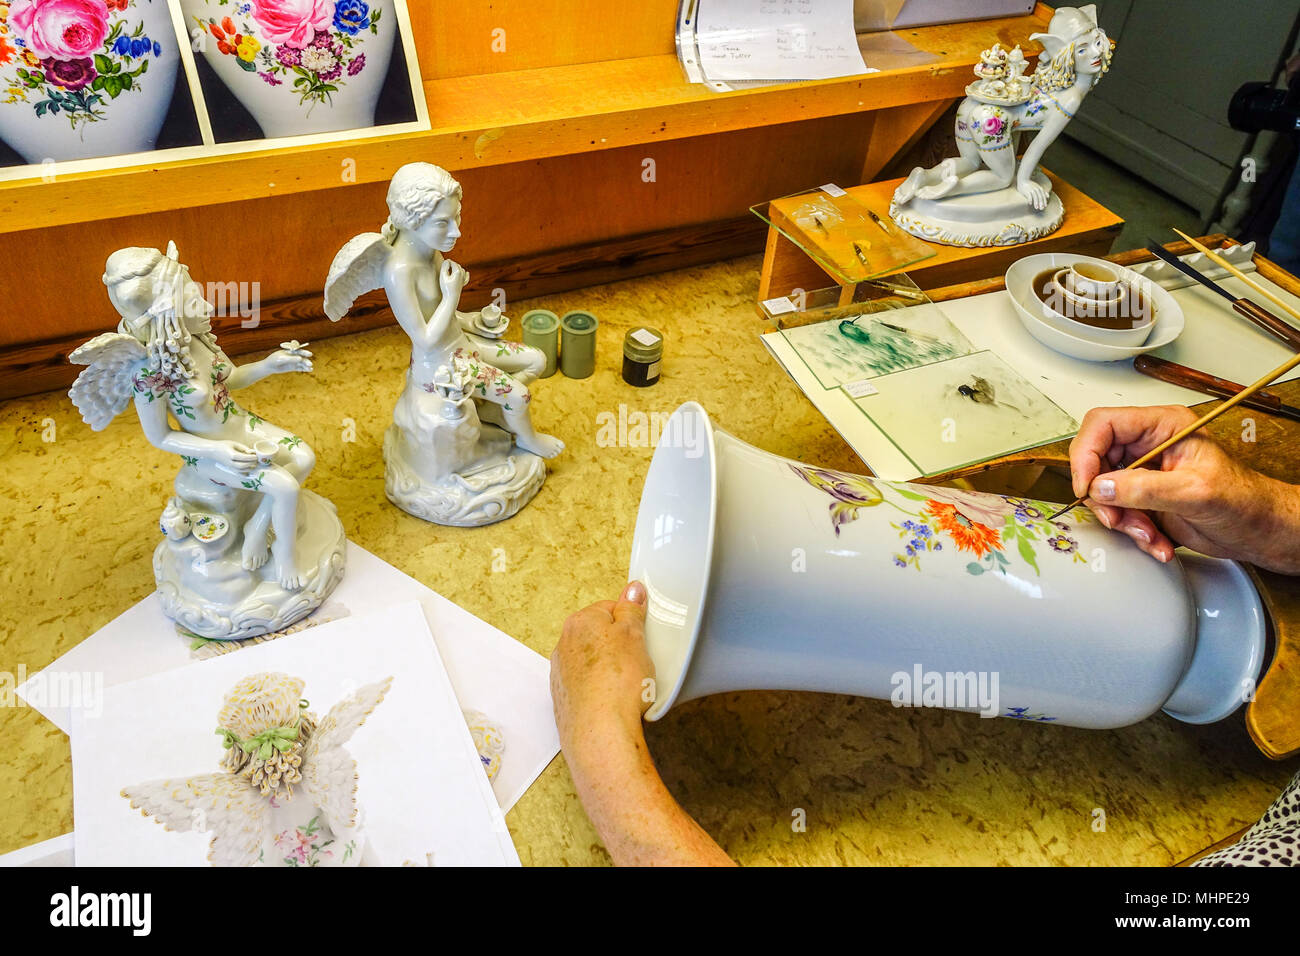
(1034, 193)
(233, 456)
(1193, 494)
(602, 678)
(283, 360)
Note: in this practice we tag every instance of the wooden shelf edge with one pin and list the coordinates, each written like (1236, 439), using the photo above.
(487, 120)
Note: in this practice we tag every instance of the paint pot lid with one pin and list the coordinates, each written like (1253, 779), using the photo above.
(643, 344)
(540, 320)
(579, 323)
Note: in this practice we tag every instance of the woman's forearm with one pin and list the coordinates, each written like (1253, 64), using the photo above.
(636, 817)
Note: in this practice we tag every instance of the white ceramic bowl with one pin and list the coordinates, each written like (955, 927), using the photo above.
(1064, 335)
(1071, 325)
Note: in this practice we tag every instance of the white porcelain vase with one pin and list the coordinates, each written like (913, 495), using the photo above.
(298, 66)
(85, 78)
(765, 573)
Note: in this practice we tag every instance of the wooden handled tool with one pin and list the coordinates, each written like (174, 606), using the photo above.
(1266, 320)
(1208, 384)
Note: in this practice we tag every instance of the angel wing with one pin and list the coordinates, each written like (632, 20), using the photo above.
(222, 804)
(357, 268)
(329, 773)
(104, 389)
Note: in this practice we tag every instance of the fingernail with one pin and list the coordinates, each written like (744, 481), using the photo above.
(1104, 518)
(634, 592)
(1104, 489)
(1142, 535)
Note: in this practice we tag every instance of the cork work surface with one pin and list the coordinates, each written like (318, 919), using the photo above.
(876, 785)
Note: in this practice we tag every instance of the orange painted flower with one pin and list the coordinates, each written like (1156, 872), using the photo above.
(966, 534)
(117, 4)
(7, 50)
(228, 24)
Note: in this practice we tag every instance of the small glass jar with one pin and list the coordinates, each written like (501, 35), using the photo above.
(643, 352)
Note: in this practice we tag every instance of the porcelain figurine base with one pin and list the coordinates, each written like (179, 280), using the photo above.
(429, 437)
(201, 577)
(999, 218)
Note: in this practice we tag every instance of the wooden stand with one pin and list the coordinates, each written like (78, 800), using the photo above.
(1089, 229)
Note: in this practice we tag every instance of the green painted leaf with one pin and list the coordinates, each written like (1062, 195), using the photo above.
(97, 83)
(245, 65)
(1027, 552)
(102, 63)
(975, 568)
(911, 495)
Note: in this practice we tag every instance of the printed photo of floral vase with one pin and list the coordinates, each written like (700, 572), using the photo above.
(85, 78)
(297, 66)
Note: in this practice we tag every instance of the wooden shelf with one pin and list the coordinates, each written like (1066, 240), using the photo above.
(496, 118)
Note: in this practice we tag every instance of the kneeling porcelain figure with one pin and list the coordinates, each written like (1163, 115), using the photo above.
(287, 794)
(984, 196)
(246, 550)
(462, 449)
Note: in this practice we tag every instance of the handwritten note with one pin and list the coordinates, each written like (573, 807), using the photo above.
(777, 39)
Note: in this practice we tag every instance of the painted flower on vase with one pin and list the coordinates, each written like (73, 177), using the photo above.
(311, 44)
(61, 29)
(990, 528)
(295, 22)
(851, 492)
(77, 55)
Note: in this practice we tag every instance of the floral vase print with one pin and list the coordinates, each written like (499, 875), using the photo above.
(298, 66)
(84, 78)
(992, 533)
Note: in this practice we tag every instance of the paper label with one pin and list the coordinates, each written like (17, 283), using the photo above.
(859, 389)
(646, 338)
(779, 306)
(831, 189)
(652, 370)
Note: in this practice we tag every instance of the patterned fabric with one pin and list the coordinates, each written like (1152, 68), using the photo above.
(1273, 841)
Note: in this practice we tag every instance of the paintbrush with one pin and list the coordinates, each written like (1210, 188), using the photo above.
(1205, 419)
(1257, 314)
(1220, 261)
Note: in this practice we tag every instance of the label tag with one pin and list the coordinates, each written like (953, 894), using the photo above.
(779, 306)
(860, 389)
(646, 338)
(831, 189)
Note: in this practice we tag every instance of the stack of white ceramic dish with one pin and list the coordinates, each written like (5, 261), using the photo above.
(1091, 309)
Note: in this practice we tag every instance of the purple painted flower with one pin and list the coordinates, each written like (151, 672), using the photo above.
(69, 74)
(333, 73)
(270, 79)
(323, 41)
(357, 65)
(288, 55)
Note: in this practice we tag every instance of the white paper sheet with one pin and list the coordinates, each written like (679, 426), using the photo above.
(421, 788)
(742, 40)
(1215, 340)
(490, 671)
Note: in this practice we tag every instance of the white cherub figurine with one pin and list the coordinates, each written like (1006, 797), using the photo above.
(238, 471)
(443, 464)
(274, 744)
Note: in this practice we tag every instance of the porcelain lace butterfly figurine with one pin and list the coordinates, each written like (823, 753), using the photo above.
(462, 449)
(246, 550)
(287, 792)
